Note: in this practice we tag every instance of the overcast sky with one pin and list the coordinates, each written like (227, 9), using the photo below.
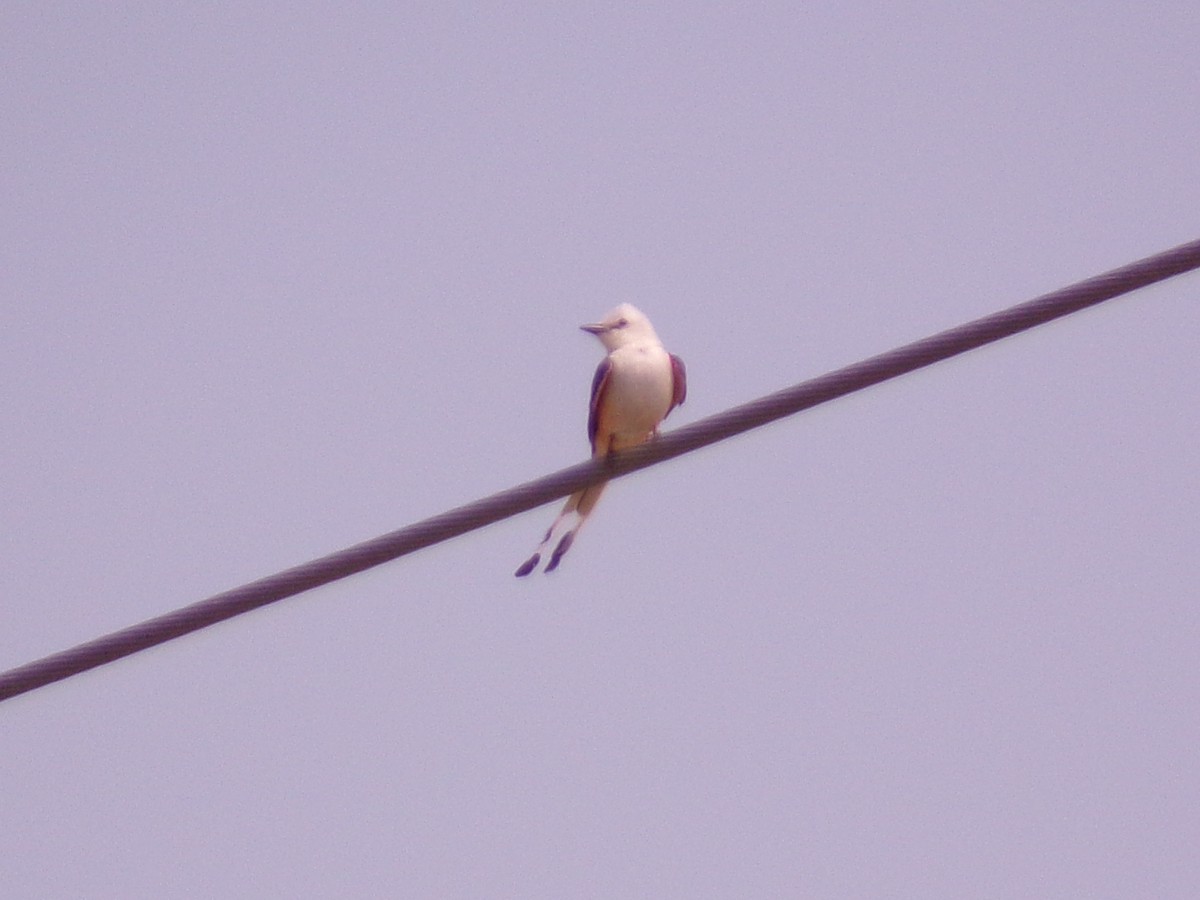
(275, 279)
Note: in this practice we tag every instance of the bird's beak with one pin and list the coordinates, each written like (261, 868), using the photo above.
(594, 329)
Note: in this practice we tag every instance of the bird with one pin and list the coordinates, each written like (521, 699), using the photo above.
(635, 387)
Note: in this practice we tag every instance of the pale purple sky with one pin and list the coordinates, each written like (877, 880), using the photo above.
(276, 279)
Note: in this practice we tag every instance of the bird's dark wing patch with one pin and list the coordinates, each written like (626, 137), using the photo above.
(678, 382)
(599, 385)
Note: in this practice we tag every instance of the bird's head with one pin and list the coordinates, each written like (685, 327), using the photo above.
(623, 326)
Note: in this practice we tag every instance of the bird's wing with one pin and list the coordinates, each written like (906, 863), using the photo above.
(678, 382)
(599, 386)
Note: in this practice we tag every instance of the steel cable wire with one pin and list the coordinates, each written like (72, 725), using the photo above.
(736, 420)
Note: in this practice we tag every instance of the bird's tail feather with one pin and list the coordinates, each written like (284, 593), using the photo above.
(581, 503)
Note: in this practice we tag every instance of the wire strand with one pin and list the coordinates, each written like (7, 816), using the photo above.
(737, 420)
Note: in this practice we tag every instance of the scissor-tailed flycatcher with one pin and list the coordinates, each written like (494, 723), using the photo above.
(634, 388)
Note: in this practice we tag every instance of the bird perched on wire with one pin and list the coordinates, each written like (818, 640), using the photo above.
(636, 385)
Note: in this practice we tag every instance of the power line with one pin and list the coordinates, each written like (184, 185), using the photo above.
(515, 500)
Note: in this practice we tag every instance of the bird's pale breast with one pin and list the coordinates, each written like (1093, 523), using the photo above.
(639, 392)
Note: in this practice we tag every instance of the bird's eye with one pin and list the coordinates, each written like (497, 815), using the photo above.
(621, 323)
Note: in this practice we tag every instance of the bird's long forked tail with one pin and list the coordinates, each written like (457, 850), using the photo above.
(581, 503)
